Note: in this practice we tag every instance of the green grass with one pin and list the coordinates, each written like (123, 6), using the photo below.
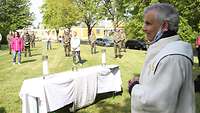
(12, 76)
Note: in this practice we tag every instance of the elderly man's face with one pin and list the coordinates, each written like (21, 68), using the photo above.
(151, 25)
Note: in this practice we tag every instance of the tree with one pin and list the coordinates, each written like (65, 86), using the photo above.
(188, 26)
(15, 14)
(92, 11)
(134, 24)
(189, 9)
(60, 13)
(116, 11)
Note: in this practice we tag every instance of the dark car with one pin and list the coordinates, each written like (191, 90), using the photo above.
(99, 41)
(104, 42)
(136, 44)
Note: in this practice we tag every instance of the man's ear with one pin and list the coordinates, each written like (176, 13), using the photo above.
(165, 26)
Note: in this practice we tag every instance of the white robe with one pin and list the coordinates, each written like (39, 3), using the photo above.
(166, 84)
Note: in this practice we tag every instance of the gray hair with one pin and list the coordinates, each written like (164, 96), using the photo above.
(165, 12)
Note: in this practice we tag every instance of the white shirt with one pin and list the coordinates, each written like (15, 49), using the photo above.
(75, 43)
(166, 84)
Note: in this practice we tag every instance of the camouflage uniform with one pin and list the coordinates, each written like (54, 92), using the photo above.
(66, 43)
(33, 40)
(9, 37)
(93, 43)
(27, 40)
(117, 44)
(123, 37)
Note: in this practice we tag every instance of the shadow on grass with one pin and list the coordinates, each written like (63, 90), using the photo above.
(83, 61)
(36, 54)
(99, 98)
(26, 61)
(2, 110)
(115, 107)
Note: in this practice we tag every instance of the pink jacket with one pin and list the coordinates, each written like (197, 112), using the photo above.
(17, 44)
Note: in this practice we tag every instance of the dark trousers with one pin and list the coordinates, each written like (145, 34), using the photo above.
(48, 45)
(198, 54)
(76, 55)
(93, 48)
(27, 49)
(67, 50)
(9, 47)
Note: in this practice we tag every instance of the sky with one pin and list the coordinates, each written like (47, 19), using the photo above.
(35, 5)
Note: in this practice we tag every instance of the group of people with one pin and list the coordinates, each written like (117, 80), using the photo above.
(71, 44)
(18, 43)
(165, 84)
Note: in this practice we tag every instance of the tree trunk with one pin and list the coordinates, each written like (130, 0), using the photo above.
(89, 32)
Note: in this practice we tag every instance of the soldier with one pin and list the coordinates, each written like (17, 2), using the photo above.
(9, 38)
(123, 37)
(117, 44)
(66, 43)
(93, 43)
(33, 40)
(27, 40)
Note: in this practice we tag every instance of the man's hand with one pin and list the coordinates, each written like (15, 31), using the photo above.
(132, 83)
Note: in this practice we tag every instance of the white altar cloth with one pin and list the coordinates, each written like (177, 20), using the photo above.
(60, 89)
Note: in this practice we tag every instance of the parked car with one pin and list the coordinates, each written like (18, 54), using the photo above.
(99, 41)
(108, 42)
(136, 44)
(104, 42)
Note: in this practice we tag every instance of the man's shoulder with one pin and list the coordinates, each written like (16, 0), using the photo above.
(177, 48)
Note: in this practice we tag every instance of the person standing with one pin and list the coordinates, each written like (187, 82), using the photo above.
(17, 46)
(66, 43)
(9, 37)
(27, 41)
(33, 40)
(198, 48)
(165, 84)
(75, 47)
(93, 42)
(123, 40)
(117, 44)
(48, 37)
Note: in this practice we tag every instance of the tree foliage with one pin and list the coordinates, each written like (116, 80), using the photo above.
(59, 13)
(15, 14)
(189, 22)
(116, 10)
(92, 11)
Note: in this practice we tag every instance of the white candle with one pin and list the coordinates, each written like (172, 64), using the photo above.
(45, 65)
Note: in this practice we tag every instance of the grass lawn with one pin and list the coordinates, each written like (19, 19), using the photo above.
(12, 76)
